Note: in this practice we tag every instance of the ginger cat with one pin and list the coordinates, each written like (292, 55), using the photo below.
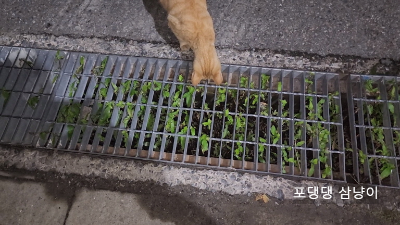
(191, 23)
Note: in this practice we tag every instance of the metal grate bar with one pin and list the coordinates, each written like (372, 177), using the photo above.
(168, 66)
(394, 176)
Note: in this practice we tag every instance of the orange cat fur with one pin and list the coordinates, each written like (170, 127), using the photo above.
(191, 23)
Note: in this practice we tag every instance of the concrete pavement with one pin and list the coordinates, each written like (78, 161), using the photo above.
(34, 197)
(50, 187)
(346, 27)
(335, 36)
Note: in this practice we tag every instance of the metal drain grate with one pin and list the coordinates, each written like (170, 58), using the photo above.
(263, 120)
(375, 113)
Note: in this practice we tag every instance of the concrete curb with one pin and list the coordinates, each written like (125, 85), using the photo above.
(230, 182)
(264, 58)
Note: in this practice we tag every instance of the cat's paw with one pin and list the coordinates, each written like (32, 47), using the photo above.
(218, 79)
(185, 47)
(195, 79)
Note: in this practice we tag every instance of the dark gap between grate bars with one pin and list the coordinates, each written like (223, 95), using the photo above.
(262, 120)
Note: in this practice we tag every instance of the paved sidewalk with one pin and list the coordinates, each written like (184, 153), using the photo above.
(53, 190)
(322, 35)
(366, 28)
(30, 202)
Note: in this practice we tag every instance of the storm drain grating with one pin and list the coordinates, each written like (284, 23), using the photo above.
(262, 120)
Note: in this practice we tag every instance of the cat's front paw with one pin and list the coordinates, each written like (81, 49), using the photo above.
(218, 79)
(196, 79)
(185, 48)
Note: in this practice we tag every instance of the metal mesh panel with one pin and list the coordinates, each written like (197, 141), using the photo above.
(262, 120)
(376, 133)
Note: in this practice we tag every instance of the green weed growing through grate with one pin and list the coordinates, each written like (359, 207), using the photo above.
(317, 129)
(5, 94)
(99, 70)
(180, 94)
(33, 101)
(74, 85)
(58, 58)
(376, 136)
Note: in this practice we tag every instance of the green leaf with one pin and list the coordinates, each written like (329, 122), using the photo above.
(157, 86)
(120, 104)
(105, 118)
(103, 64)
(291, 160)
(33, 101)
(82, 60)
(192, 131)
(380, 136)
(166, 90)
(183, 139)
(75, 109)
(125, 86)
(300, 143)
(115, 87)
(279, 86)
(207, 123)
(273, 130)
(391, 107)
(327, 172)
(370, 109)
(70, 129)
(43, 135)
(314, 161)
(180, 78)
(107, 82)
(238, 150)
(264, 80)
(204, 144)
(311, 171)
(134, 91)
(385, 173)
(225, 132)
(393, 93)
(226, 112)
(243, 81)
(58, 55)
(82, 64)
(130, 110)
(255, 99)
(310, 105)
(262, 140)
(171, 126)
(176, 96)
(188, 97)
(260, 149)
(283, 103)
(126, 120)
(103, 92)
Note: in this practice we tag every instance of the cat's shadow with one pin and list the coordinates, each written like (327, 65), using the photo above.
(161, 24)
(160, 21)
